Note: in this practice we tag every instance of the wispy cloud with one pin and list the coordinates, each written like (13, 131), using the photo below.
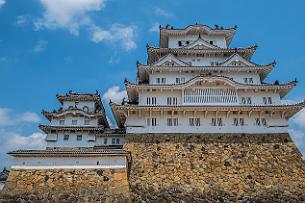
(2, 2)
(124, 35)
(164, 13)
(114, 94)
(299, 119)
(154, 27)
(22, 20)
(13, 141)
(73, 15)
(40, 46)
(8, 118)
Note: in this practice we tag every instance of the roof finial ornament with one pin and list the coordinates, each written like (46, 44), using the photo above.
(167, 26)
(96, 92)
(216, 26)
(160, 26)
(295, 80)
(235, 27)
(274, 62)
(276, 82)
(172, 27)
(110, 102)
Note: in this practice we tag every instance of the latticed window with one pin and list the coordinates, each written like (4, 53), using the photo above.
(191, 122)
(258, 121)
(264, 122)
(235, 121)
(241, 121)
(197, 121)
(213, 122)
(209, 96)
(61, 122)
(66, 137)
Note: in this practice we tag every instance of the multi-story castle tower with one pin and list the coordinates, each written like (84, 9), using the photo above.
(195, 83)
(80, 122)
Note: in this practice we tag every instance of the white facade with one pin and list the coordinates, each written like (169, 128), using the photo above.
(170, 92)
(79, 123)
(69, 162)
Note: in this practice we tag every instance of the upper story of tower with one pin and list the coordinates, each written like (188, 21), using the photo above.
(217, 37)
(78, 110)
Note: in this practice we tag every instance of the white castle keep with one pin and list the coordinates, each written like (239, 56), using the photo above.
(195, 83)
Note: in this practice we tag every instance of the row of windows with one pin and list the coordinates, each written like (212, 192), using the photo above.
(163, 80)
(174, 101)
(214, 122)
(160, 80)
(246, 100)
(80, 138)
(74, 122)
(182, 43)
(151, 100)
(248, 80)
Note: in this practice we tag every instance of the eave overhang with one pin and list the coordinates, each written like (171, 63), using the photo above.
(48, 128)
(262, 70)
(69, 153)
(155, 53)
(59, 114)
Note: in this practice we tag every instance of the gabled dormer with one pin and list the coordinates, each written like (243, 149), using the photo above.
(201, 44)
(237, 60)
(170, 60)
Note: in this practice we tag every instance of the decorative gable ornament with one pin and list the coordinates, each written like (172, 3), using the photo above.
(237, 60)
(170, 60)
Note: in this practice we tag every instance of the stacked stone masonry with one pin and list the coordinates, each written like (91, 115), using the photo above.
(177, 168)
(67, 186)
(215, 168)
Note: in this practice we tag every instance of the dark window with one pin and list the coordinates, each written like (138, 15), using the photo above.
(113, 141)
(79, 137)
(66, 137)
(105, 140)
(118, 140)
(211, 42)
(187, 42)
(180, 43)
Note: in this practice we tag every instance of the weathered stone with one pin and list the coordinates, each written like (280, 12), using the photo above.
(215, 168)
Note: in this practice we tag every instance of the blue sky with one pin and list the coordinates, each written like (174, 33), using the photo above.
(53, 46)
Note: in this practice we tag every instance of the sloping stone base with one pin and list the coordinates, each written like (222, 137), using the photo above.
(67, 185)
(215, 168)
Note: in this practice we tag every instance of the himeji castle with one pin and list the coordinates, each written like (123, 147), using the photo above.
(194, 82)
(200, 124)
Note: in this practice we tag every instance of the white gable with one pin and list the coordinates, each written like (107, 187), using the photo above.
(170, 60)
(200, 44)
(237, 60)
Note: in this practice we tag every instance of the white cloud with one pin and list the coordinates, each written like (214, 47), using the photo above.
(124, 35)
(5, 118)
(154, 28)
(67, 14)
(298, 137)
(161, 12)
(72, 15)
(40, 46)
(299, 118)
(2, 2)
(114, 94)
(34, 141)
(13, 141)
(30, 117)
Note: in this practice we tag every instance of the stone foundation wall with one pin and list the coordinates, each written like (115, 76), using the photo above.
(67, 185)
(215, 168)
